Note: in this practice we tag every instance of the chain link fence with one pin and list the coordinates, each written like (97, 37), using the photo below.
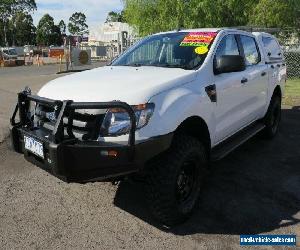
(107, 51)
(292, 57)
(290, 42)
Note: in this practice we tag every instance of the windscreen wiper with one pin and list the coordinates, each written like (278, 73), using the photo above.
(166, 65)
(134, 65)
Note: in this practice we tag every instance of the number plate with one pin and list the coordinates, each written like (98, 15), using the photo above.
(34, 146)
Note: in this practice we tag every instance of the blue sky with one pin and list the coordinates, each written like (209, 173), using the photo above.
(95, 10)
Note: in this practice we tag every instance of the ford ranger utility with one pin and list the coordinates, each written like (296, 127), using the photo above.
(159, 112)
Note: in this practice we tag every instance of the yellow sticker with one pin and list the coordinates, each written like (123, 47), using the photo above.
(201, 50)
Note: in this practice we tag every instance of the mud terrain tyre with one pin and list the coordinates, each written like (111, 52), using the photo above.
(272, 118)
(175, 179)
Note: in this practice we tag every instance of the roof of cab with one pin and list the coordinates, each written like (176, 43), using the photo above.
(207, 30)
(260, 34)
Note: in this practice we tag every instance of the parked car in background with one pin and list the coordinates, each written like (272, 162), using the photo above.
(9, 53)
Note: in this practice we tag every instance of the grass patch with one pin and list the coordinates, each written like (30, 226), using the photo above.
(292, 92)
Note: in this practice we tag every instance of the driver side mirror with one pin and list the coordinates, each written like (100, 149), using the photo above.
(228, 64)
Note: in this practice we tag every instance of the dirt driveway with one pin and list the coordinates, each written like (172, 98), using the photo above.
(256, 189)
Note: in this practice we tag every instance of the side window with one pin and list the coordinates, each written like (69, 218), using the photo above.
(272, 47)
(227, 47)
(252, 55)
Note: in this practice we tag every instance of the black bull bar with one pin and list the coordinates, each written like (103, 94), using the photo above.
(67, 157)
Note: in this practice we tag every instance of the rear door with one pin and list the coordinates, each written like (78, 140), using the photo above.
(255, 84)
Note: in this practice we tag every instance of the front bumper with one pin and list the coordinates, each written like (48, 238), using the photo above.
(77, 161)
(74, 160)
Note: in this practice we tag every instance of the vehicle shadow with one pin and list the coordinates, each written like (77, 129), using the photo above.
(255, 189)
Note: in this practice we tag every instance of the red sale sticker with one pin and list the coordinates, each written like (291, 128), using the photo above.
(198, 39)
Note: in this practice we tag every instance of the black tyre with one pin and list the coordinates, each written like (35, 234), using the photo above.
(175, 180)
(272, 118)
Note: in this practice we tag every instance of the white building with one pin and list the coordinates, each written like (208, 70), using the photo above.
(108, 32)
(110, 39)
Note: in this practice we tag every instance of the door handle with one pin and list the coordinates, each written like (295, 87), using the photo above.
(278, 65)
(263, 73)
(272, 66)
(244, 80)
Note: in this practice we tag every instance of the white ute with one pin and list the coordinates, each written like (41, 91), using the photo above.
(161, 111)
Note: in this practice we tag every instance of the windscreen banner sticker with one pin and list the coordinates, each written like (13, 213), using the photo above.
(199, 39)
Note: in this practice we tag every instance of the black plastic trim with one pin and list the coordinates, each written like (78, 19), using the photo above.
(211, 91)
(276, 61)
(82, 161)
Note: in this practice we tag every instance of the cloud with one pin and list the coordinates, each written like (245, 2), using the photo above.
(95, 10)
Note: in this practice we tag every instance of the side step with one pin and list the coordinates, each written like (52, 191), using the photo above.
(230, 144)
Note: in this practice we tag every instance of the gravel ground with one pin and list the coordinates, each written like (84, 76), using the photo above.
(254, 190)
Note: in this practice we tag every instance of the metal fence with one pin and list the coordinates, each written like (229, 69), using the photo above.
(100, 52)
(292, 57)
(103, 52)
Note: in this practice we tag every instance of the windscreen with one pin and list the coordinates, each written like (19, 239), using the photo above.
(13, 52)
(186, 50)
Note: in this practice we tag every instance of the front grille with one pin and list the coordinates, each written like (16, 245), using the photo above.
(84, 126)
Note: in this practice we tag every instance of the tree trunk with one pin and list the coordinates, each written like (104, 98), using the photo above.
(5, 36)
(14, 36)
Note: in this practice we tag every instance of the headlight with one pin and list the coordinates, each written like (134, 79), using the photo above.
(117, 121)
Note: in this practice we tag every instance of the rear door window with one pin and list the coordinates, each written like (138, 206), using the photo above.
(272, 48)
(251, 51)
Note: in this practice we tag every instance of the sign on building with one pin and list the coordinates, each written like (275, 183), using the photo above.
(81, 57)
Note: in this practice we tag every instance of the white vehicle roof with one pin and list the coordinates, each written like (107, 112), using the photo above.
(208, 30)
(265, 34)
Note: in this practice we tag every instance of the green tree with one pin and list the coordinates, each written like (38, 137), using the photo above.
(44, 30)
(24, 33)
(47, 33)
(2, 42)
(151, 16)
(5, 13)
(62, 26)
(9, 8)
(115, 17)
(77, 24)
(56, 37)
(276, 14)
(227, 13)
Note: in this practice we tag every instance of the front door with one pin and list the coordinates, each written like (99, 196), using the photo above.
(230, 111)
